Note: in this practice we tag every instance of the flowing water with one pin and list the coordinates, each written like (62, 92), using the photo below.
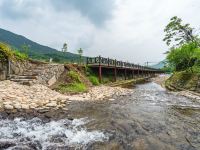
(150, 118)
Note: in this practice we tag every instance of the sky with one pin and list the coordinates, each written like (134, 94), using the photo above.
(128, 30)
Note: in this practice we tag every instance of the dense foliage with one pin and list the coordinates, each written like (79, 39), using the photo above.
(6, 52)
(186, 54)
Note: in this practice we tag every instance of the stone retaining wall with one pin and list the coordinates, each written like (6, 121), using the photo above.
(18, 67)
(3, 70)
(47, 75)
(50, 74)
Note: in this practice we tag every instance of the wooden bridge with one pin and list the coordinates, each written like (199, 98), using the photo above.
(128, 69)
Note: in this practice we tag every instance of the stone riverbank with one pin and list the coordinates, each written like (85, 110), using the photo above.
(16, 97)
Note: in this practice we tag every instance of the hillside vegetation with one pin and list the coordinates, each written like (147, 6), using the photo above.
(35, 50)
(6, 52)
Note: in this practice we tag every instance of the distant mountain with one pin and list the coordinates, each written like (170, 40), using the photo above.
(159, 65)
(36, 51)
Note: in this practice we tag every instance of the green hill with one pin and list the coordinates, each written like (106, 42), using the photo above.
(159, 65)
(36, 51)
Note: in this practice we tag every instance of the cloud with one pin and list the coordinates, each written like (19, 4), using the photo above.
(96, 11)
(129, 30)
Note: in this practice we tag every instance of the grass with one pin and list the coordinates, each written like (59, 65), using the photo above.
(94, 80)
(72, 88)
(74, 76)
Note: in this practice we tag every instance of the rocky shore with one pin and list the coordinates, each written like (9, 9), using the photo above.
(16, 97)
(186, 93)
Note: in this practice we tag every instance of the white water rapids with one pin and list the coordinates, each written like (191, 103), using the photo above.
(63, 132)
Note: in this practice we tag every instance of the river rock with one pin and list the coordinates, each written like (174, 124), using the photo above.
(25, 106)
(52, 104)
(8, 107)
(111, 99)
(17, 106)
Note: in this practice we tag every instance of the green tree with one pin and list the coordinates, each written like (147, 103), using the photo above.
(184, 57)
(80, 53)
(64, 48)
(177, 33)
(25, 49)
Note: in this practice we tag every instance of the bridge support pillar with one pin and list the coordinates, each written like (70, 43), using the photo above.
(132, 74)
(125, 74)
(100, 74)
(115, 72)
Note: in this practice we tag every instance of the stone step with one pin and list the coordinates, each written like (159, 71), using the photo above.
(22, 77)
(21, 80)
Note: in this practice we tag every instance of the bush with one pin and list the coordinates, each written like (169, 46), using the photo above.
(74, 76)
(72, 87)
(20, 56)
(196, 69)
(184, 57)
(6, 52)
(94, 80)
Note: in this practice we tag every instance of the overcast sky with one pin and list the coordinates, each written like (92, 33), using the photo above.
(129, 30)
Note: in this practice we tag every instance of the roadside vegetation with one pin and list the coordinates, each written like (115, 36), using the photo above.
(183, 57)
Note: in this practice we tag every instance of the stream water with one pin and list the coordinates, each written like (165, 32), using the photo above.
(151, 118)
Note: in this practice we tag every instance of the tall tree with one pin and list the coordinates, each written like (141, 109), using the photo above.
(64, 48)
(25, 48)
(178, 33)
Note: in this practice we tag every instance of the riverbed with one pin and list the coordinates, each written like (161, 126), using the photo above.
(148, 118)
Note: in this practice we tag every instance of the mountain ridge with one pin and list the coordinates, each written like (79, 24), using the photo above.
(37, 51)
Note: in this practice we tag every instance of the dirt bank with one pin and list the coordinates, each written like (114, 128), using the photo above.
(185, 84)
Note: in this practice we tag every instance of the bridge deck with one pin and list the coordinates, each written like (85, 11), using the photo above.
(100, 62)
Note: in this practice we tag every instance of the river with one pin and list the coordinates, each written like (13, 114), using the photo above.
(150, 118)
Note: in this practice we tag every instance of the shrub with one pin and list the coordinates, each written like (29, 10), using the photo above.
(20, 56)
(94, 80)
(7, 52)
(74, 76)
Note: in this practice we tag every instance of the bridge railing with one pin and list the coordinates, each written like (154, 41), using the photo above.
(101, 61)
